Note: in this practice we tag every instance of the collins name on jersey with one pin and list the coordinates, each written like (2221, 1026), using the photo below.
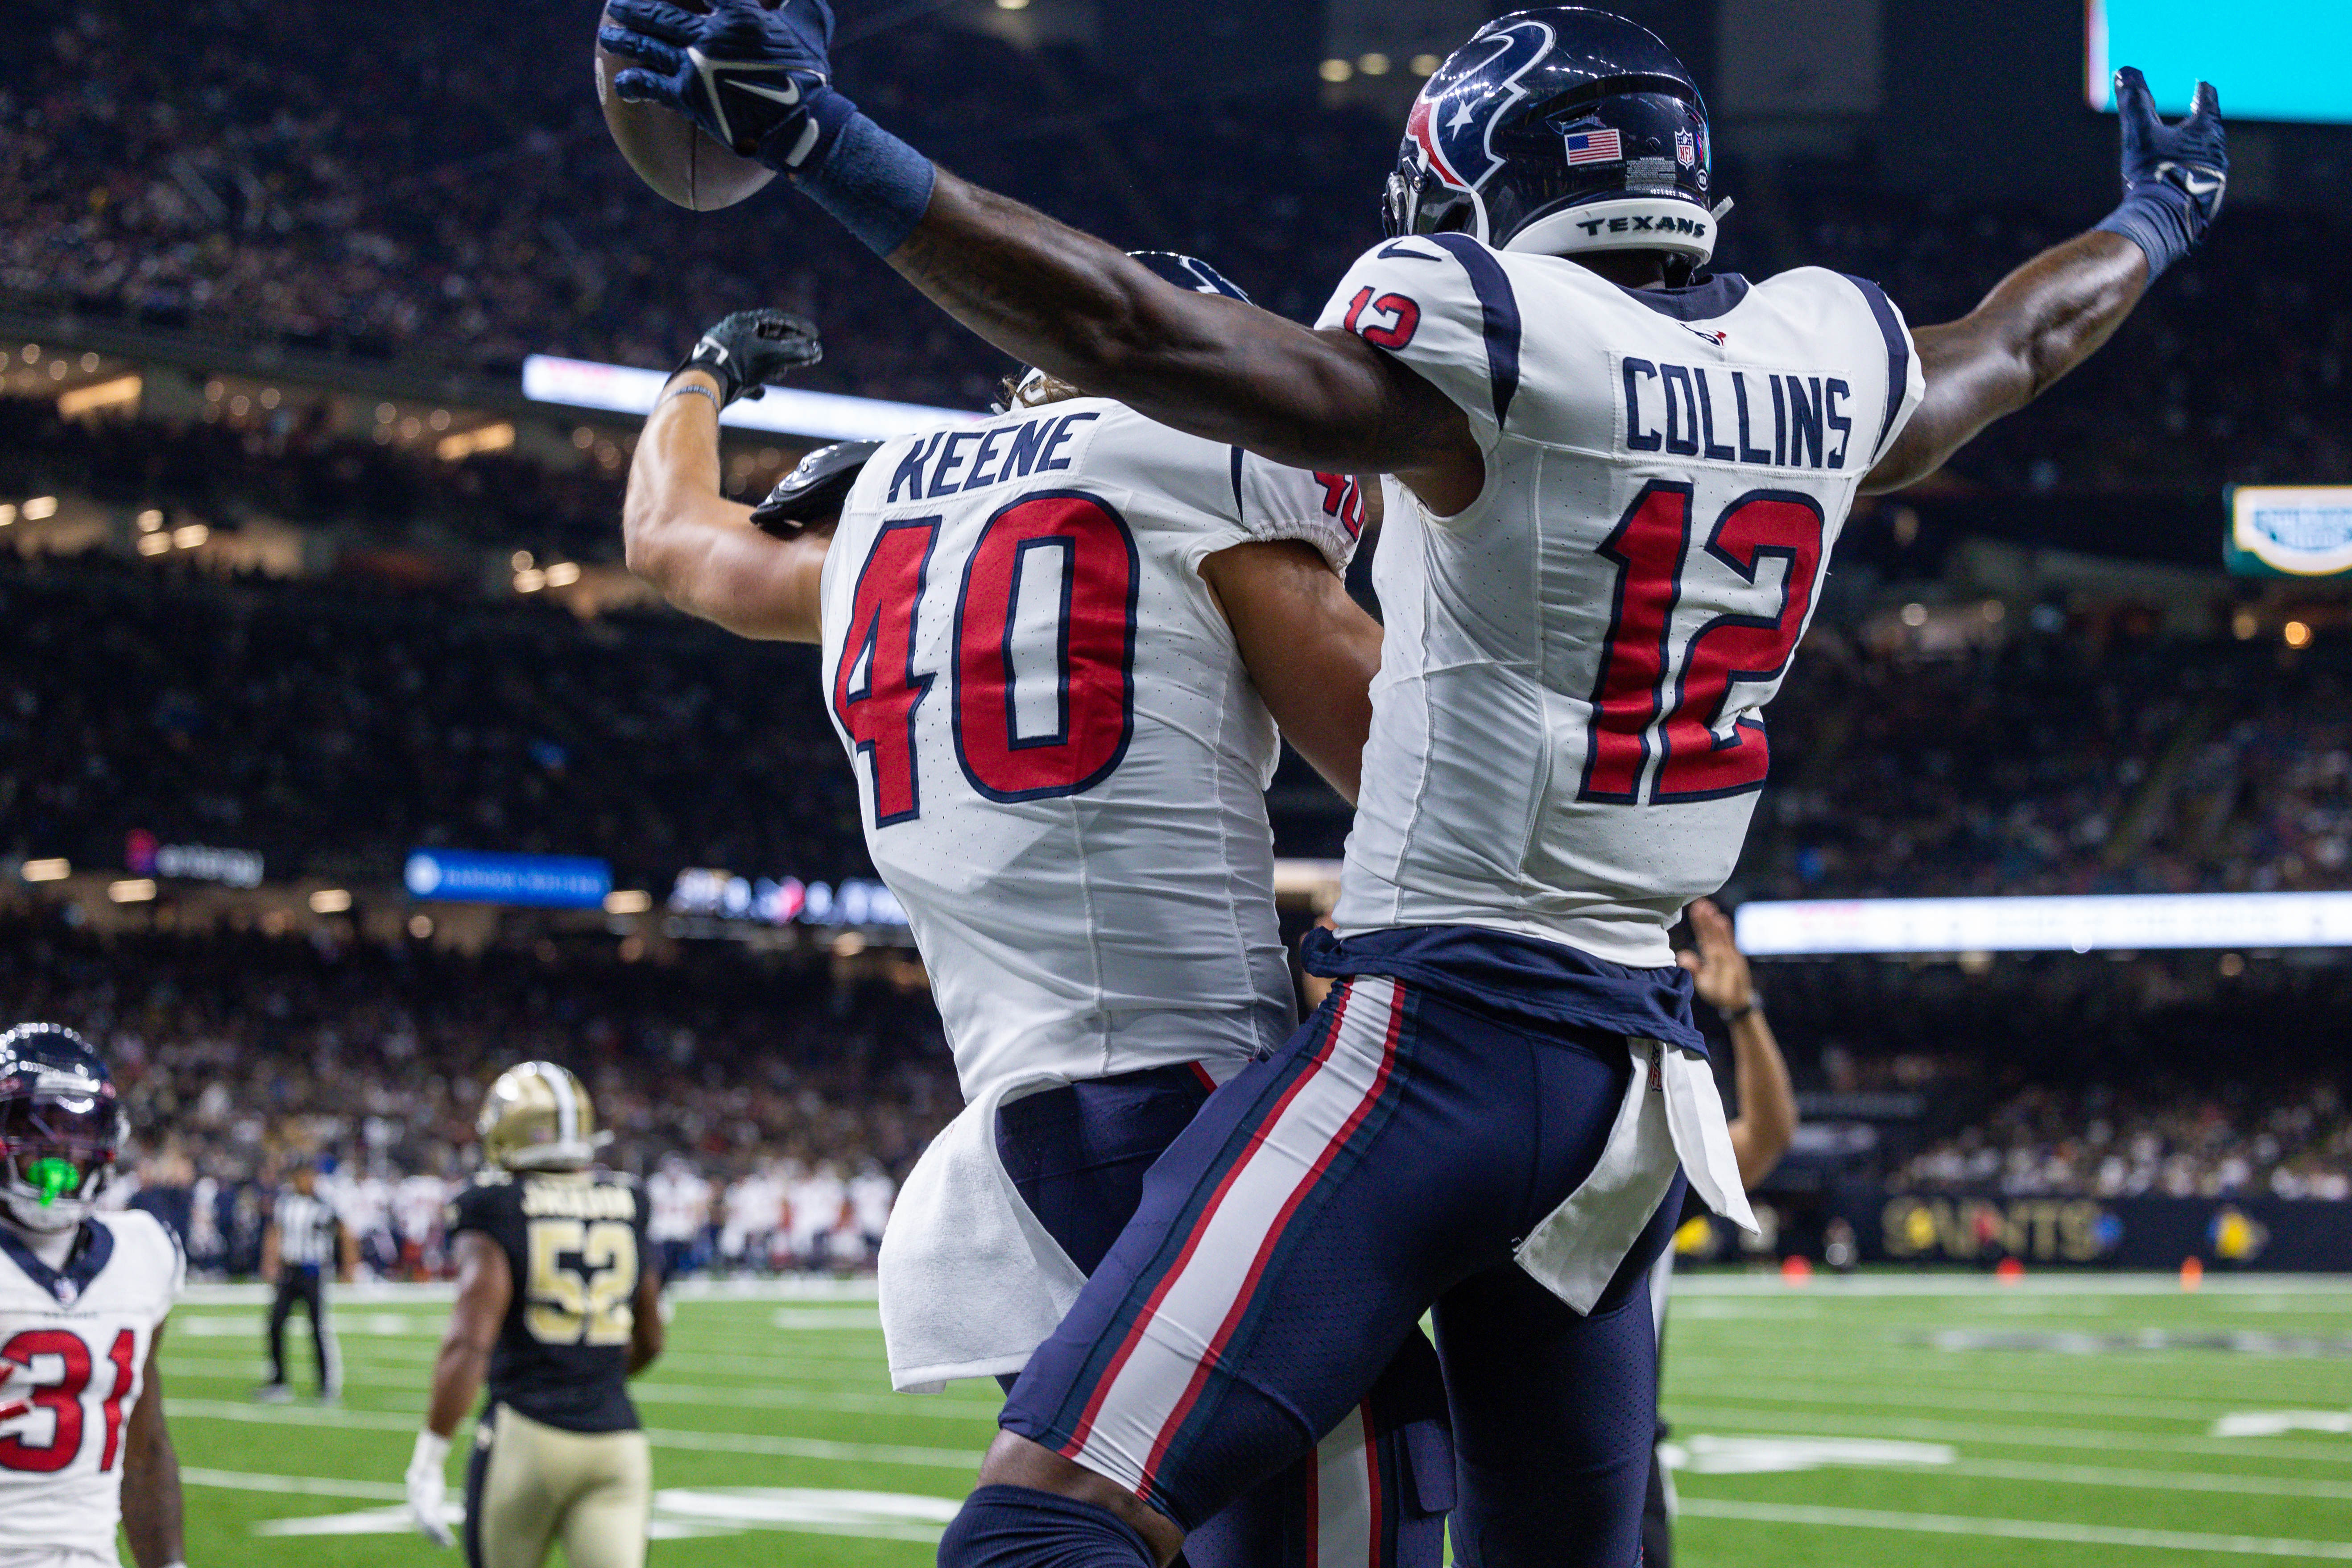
(73, 1351)
(1567, 729)
(1061, 758)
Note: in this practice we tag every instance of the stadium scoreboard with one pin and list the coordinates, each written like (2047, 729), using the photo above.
(2289, 530)
(2269, 59)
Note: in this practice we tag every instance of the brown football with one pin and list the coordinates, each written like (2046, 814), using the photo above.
(670, 152)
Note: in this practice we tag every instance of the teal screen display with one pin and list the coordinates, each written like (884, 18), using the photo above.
(2270, 59)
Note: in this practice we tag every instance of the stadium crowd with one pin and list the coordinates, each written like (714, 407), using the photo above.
(334, 725)
(427, 205)
(242, 1054)
(2148, 1139)
(2057, 763)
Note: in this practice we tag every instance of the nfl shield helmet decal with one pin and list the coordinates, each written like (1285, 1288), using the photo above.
(1685, 149)
(1457, 111)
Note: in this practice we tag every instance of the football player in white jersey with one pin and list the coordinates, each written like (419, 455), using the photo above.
(1056, 644)
(1614, 485)
(84, 1448)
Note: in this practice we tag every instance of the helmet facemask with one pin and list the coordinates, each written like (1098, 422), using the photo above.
(57, 1154)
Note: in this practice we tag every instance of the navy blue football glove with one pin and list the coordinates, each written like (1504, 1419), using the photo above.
(755, 79)
(751, 350)
(2174, 175)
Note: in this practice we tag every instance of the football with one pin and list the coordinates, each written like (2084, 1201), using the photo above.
(671, 154)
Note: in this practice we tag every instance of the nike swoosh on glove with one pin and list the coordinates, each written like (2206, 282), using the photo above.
(2175, 176)
(755, 80)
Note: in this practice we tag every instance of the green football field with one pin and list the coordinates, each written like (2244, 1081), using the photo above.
(1887, 1419)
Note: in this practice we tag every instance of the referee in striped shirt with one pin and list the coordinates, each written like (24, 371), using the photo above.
(304, 1240)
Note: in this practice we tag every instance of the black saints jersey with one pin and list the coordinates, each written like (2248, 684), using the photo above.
(575, 1241)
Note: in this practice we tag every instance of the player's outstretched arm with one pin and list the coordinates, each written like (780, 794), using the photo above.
(686, 538)
(1082, 309)
(2053, 312)
(485, 1289)
(1767, 1122)
(1310, 649)
(758, 79)
(151, 1510)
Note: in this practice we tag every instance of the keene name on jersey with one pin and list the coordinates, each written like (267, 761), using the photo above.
(961, 460)
(1735, 413)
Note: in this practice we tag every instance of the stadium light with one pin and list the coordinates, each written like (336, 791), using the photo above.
(628, 902)
(118, 393)
(330, 901)
(52, 870)
(787, 410)
(154, 544)
(562, 574)
(2110, 923)
(7, 514)
(40, 507)
(190, 537)
(150, 520)
(132, 891)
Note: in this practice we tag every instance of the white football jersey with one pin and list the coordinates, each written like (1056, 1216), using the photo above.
(73, 1350)
(680, 1203)
(1568, 736)
(1061, 758)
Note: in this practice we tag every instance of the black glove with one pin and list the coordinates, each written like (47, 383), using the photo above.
(751, 348)
(2174, 175)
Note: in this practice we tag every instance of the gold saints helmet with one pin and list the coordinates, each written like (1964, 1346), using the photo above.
(537, 1117)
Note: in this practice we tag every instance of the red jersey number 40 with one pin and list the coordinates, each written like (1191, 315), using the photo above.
(1062, 549)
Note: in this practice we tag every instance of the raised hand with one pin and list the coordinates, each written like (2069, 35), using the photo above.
(2175, 176)
(756, 77)
(754, 349)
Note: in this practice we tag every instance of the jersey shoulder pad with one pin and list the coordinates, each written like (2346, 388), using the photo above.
(475, 1206)
(1443, 304)
(1326, 511)
(1876, 327)
(145, 1248)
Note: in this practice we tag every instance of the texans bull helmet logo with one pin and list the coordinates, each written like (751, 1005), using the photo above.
(1453, 120)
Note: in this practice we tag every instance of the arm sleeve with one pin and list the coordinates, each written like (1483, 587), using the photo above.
(1326, 511)
(466, 1211)
(1442, 305)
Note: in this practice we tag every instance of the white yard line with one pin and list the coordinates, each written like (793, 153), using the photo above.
(298, 1486)
(2105, 1441)
(965, 1459)
(1977, 1528)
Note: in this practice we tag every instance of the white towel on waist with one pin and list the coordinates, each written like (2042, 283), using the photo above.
(1671, 1115)
(970, 1282)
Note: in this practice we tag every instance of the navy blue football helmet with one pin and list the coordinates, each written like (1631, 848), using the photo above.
(60, 1126)
(1560, 131)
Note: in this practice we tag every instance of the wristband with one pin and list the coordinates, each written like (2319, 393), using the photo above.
(716, 401)
(2157, 216)
(875, 184)
(432, 1449)
(1755, 1004)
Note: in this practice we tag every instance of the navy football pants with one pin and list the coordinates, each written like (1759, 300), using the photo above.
(1375, 1491)
(1384, 1163)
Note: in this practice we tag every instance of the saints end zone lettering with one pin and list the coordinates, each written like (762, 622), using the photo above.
(1748, 414)
(2043, 1230)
